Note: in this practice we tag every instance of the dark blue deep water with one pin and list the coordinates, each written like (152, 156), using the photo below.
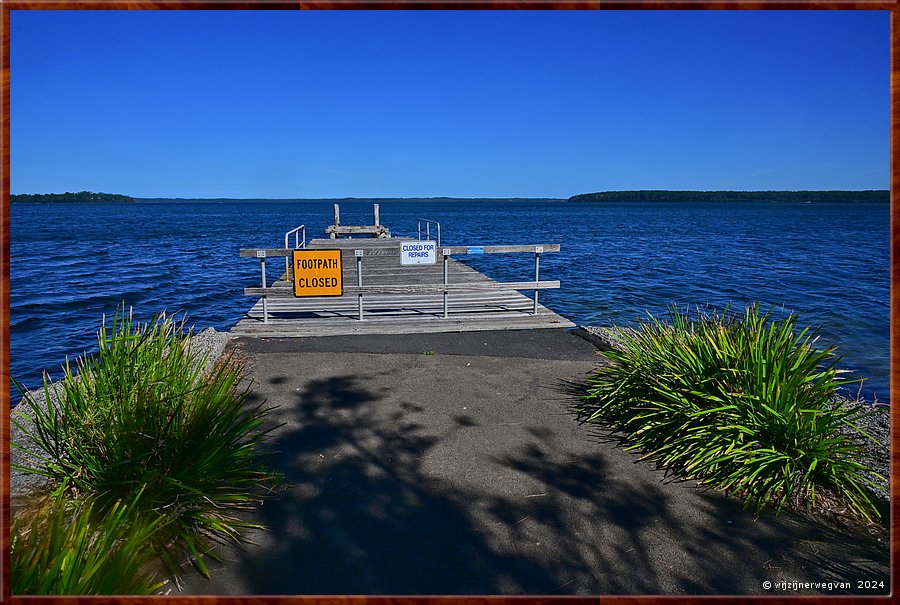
(71, 263)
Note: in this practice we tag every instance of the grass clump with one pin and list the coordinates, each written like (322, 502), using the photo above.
(144, 415)
(58, 546)
(744, 403)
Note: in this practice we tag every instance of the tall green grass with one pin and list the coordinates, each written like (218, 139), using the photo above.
(745, 403)
(145, 415)
(59, 546)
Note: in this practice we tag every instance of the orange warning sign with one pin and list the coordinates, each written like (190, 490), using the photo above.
(317, 273)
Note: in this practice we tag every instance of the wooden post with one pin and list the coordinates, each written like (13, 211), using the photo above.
(375, 209)
(337, 219)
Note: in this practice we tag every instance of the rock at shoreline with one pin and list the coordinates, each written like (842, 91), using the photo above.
(605, 338)
(875, 454)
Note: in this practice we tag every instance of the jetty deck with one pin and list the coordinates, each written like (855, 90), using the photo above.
(401, 299)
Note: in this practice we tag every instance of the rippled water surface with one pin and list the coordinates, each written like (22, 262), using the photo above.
(71, 263)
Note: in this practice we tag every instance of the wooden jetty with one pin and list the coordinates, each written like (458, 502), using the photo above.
(383, 296)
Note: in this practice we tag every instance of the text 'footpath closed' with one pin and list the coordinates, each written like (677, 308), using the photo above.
(317, 273)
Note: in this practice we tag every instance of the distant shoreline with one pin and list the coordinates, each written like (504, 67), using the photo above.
(833, 196)
(70, 198)
(662, 195)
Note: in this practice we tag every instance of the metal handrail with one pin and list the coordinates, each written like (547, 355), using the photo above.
(428, 224)
(446, 253)
(297, 244)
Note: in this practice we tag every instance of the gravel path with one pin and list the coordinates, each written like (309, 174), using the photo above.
(208, 342)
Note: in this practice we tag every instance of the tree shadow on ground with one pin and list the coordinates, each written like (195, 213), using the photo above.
(724, 548)
(361, 513)
(357, 517)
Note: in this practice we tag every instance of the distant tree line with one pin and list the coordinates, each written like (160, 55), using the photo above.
(733, 196)
(68, 196)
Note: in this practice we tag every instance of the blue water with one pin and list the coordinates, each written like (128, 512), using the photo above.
(71, 263)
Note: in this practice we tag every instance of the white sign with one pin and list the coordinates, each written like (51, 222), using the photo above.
(418, 253)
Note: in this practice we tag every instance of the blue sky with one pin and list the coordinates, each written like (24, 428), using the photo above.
(447, 103)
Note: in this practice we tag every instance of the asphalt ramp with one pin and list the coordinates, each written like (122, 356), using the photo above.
(450, 464)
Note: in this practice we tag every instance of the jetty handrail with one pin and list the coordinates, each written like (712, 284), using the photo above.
(454, 250)
(428, 223)
(297, 244)
(288, 292)
(445, 287)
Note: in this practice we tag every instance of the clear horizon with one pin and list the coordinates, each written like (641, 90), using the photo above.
(459, 104)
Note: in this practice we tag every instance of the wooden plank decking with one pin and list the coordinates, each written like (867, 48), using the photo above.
(491, 308)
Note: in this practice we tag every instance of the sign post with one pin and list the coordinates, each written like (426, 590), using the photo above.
(446, 254)
(317, 273)
(261, 255)
(537, 274)
(359, 256)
